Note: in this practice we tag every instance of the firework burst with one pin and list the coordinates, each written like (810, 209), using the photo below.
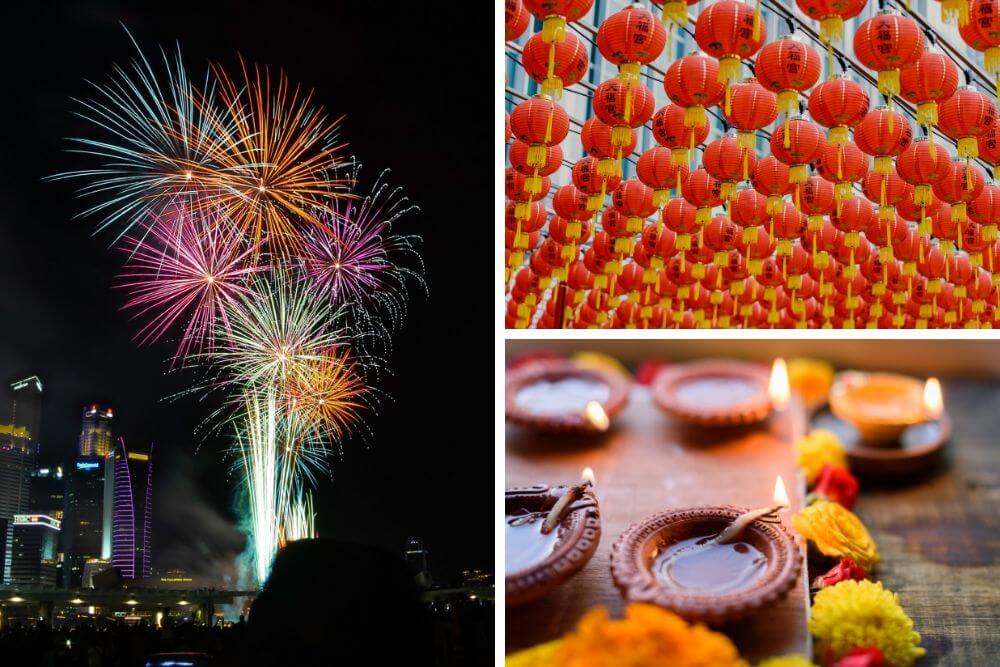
(186, 266)
(354, 256)
(272, 156)
(328, 396)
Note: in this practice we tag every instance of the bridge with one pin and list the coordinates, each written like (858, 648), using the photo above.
(45, 600)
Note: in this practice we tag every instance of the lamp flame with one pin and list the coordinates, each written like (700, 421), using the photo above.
(780, 495)
(588, 476)
(595, 414)
(933, 401)
(778, 388)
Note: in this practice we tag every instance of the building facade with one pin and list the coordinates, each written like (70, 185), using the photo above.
(84, 524)
(35, 557)
(96, 434)
(131, 536)
(15, 474)
(26, 408)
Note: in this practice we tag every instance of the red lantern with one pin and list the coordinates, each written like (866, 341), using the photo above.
(788, 67)
(624, 105)
(831, 15)
(596, 139)
(752, 107)
(728, 163)
(770, 178)
(805, 143)
(556, 13)
(989, 147)
(749, 209)
(539, 122)
(516, 19)
(693, 83)
(842, 165)
(518, 156)
(983, 32)
(681, 217)
(855, 216)
(959, 188)
(670, 132)
(925, 83)
(569, 231)
(922, 167)
(985, 210)
(519, 187)
(815, 198)
(885, 43)
(631, 38)
(965, 116)
(728, 31)
(635, 200)
(886, 190)
(587, 177)
(532, 222)
(555, 65)
(838, 104)
(656, 170)
(703, 192)
(883, 134)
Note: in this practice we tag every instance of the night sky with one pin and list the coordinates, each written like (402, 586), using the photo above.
(427, 468)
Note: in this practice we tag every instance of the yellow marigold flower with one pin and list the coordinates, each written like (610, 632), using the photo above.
(811, 378)
(648, 636)
(817, 448)
(837, 532)
(787, 661)
(854, 614)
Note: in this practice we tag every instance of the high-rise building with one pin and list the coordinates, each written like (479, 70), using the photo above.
(131, 532)
(416, 560)
(95, 435)
(15, 472)
(47, 496)
(84, 525)
(26, 408)
(34, 561)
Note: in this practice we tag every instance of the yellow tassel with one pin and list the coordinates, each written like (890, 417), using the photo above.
(746, 165)
(927, 113)
(922, 195)
(703, 216)
(774, 204)
(888, 84)
(548, 123)
(749, 236)
(883, 164)
(554, 29)
(747, 139)
(882, 194)
(553, 87)
(627, 113)
(968, 148)
(621, 135)
(678, 156)
(932, 149)
(840, 161)
(839, 135)
(756, 23)
(798, 173)
(842, 190)
(727, 190)
(829, 60)
(605, 166)
(629, 73)
(676, 12)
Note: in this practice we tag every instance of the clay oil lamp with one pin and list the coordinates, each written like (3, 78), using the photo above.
(550, 534)
(708, 564)
(558, 395)
(889, 424)
(721, 393)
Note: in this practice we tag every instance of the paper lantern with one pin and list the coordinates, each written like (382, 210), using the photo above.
(886, 190)
(922, 169)
(516, 19)
(656, 169)
(885, 43)
(555, 14)
(805, 143)
(539, 122)
(596, 139)
(965, 116)
(693, 82)
(630, 38)
(787, 67)
(726, 30)
(927, 82)
(635, 200)
(838, 104)
(704, 192)
(752, 107)
(728, 162)
(982, 31)
(883, 134)
(770, 178)
(831, 15)
(959, 188)
(670, 131)
(555, 65)
(842, 165)
(624, 105)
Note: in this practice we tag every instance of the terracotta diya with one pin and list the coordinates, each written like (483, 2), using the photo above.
(714, 392)
(559, 395)
(537, 561)
(890, 425)
(673, 559)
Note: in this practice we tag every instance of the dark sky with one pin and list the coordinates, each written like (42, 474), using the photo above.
(394, 70)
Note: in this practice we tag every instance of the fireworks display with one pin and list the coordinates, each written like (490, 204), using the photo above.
(245, 240)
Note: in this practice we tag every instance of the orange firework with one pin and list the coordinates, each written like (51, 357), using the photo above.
(328, 396)
(271, 159)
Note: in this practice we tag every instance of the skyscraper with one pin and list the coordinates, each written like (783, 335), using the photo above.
(26, 408)
(34, 561)
(132, 519)
(84, 525)
(47, 497)
(15, 472)
(95, 436)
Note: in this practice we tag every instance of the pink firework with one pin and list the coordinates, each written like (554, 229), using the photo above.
(190, 266)
(354, 256)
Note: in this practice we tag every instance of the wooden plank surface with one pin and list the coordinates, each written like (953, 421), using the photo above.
(646, 464)
(939, 536)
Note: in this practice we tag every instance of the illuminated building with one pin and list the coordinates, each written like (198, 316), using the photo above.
(95, 435)
(131, 532)
(15, 473)
(26, 407)
(34, 561)
(416, 559)
(84, 525)
(47, 492)
(93, 567)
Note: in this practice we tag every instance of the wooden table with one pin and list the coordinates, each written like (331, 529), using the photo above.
(649, 463)
(939, 536)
